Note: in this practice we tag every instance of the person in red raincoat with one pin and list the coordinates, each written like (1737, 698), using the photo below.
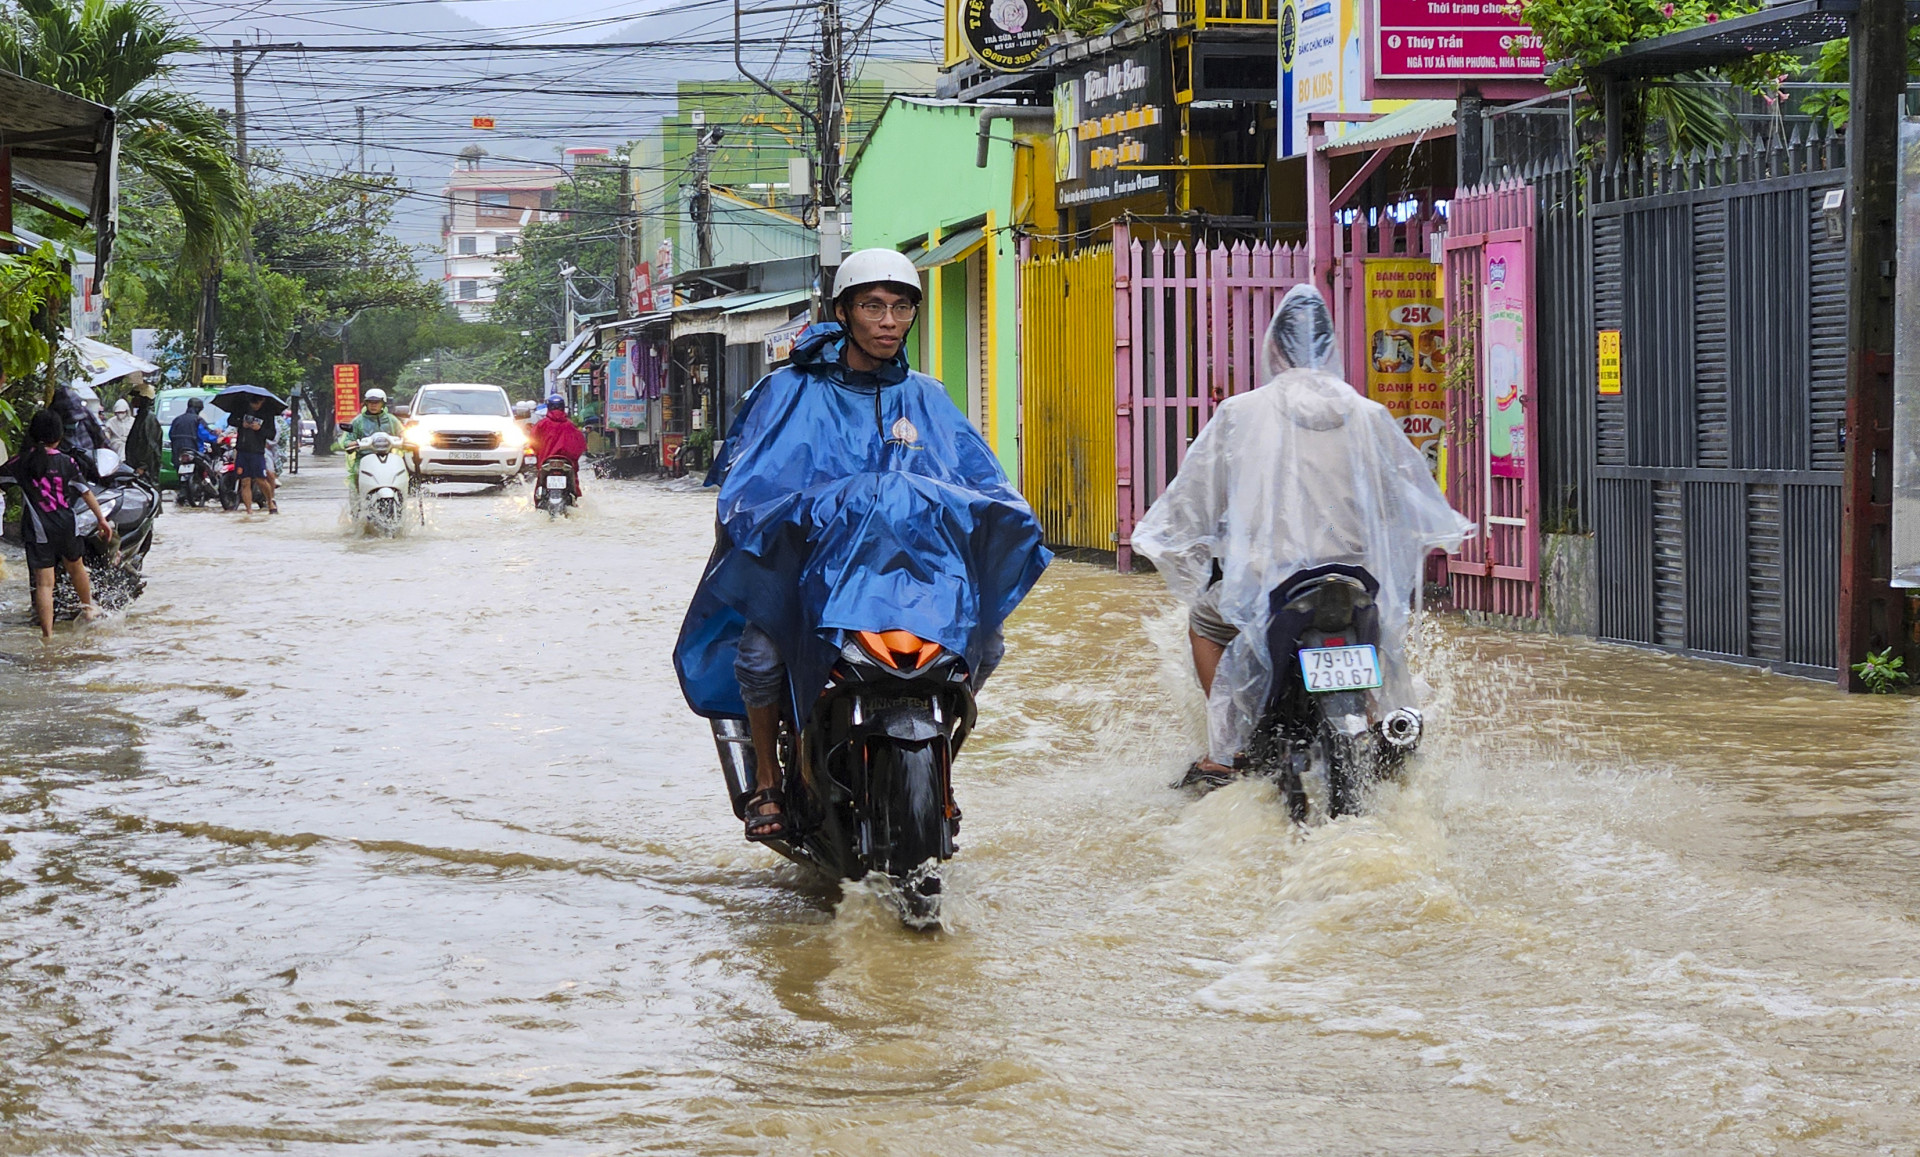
(555, 436)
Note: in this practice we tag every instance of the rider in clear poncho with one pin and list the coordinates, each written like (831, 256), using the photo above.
(1301, 472)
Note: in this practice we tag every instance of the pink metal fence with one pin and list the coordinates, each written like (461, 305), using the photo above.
(1489, 263)
(1187, 327)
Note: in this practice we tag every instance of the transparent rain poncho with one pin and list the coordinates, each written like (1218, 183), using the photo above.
(1301, 472)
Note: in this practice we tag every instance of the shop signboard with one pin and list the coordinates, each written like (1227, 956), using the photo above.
(1319, 66)
(1453, 40)
(626, 408)
(346, 392)
(663, 275)
(780, 341)
(1509, 366)
(1406, 348)
(1111, 123)
(641, 299)
(1006, 35)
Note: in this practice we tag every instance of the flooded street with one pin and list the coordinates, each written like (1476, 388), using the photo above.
(413, 844)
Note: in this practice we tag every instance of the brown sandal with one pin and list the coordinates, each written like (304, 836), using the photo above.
(766, 825)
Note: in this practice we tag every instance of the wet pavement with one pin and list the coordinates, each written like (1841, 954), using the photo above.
(412, 844)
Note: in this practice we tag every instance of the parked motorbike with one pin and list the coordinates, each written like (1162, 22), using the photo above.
(131, 503)
(553, 487)
(385, 480)
(1324, 643)
(868, 777)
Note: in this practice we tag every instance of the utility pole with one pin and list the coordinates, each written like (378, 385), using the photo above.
(360, 172)
(831, 98)
(1871, 615)
(623, 276)
(702, 206)
(207, 322)
(826, 116)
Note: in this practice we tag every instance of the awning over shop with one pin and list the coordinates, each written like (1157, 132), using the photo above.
(953, 247)
(101, 363)
(629, 324)
(570, 356)
(742, 317)
(63, 154)
(1421, 120)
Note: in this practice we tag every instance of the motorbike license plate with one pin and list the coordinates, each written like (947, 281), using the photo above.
(1340, 668)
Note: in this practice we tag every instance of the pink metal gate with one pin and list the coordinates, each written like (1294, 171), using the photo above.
(1492, 462)
(1187, 327)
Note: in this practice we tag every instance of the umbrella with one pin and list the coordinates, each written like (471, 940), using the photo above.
(234, 400)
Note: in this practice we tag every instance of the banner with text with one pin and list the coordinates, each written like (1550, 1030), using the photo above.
(1110, 117)
(1453, 40)
(1406, 348)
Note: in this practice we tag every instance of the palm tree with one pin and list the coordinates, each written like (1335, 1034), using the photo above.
(111, 52)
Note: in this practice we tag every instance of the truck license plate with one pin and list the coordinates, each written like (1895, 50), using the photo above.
(1340, 668)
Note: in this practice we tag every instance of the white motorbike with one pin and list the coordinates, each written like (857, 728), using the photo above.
(387, 469)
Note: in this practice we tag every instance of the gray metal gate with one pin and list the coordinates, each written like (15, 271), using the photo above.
(1717, 468)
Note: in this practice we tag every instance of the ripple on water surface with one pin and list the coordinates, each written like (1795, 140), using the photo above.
(412, 844)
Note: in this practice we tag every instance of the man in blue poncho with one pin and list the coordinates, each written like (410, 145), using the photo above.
(853, 496)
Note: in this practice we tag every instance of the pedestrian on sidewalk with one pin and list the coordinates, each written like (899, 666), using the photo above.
(51, 481)
(253, 431)
(143, 441)
(119, 426)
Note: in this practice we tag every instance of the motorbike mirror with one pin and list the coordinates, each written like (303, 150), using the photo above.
(403, 412)
(106, 462)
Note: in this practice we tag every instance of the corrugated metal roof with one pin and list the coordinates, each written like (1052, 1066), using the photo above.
(1422, 118)
(745, 302)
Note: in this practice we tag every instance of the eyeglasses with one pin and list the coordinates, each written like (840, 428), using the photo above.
(875, 310)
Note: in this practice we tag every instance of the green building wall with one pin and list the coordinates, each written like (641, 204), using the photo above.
(915, 178)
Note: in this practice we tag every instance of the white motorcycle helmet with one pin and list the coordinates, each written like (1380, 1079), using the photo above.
(374, 395)
(877, 267)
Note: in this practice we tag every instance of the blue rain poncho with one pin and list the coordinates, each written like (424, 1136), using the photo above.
(852, 501)
(1301, 472)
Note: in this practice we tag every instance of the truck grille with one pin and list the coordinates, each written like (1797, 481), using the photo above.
(479, 440)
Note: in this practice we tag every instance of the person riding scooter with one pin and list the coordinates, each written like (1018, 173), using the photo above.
(846, 463)
(1303, 472)
(372, 419)
(555, 436)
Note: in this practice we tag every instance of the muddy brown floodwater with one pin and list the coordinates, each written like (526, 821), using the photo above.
(413, 845)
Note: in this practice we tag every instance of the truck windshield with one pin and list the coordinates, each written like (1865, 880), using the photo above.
(485, 403)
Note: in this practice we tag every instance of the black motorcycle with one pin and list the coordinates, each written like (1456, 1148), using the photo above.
(199, 483)
(553, 487)
(1323, 638)
(869, 776)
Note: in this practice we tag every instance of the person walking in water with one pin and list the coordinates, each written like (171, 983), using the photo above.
(52, 482)
(252, 431)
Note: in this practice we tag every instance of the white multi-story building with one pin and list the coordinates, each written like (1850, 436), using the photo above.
(486, 211)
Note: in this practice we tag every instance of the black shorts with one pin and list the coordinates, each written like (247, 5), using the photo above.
(60, 545)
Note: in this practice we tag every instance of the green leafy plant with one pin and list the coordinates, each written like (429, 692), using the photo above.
(1883, 673)
(1833, 66)
(33, 286)
(1577, 34)
(1086, 17)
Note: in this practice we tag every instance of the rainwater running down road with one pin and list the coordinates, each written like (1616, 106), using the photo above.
(412, 844)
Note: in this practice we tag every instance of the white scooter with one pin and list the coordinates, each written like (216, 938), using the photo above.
(387, 468)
